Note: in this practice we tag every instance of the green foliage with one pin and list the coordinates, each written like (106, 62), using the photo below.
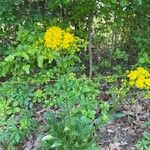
(34, 77)
(16, 94)
(71, 127)
(72, 91)
(16, 128)
(76, 102)
(144, 58)
(16, 120)
(23, 57)
(6, 108)
(69, 133)
(144, 143)
(31, 56)
(105, 108)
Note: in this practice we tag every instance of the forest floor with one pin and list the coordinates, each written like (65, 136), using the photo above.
(124, 133)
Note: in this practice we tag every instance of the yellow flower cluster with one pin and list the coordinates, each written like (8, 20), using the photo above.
(139, 78)
(58, 39)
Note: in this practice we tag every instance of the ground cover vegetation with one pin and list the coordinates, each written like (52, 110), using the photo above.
(74, 74)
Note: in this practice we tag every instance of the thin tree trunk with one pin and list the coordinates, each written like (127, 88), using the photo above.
(89, 27)
(113, 40)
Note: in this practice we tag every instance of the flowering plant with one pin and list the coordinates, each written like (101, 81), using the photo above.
(58, 39)
(139, 78)
(37, 49)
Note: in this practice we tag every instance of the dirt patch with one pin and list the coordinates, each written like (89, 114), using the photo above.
(123, 133)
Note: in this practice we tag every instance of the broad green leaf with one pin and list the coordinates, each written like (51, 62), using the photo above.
(147, 123)
(26, 68)
(23, 54)
(47, 137)
(15, 104)
(140, 2)
(17, 109)
(9, 111)
(17, 137)
(142, 60)
(56, 144)
(10, 58)
(123, 3)
(40, 60)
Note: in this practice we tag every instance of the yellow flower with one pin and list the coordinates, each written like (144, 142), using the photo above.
(53, 38)
(67, 40)
(139, 83)
(133, 75)
(58, 39)
(139, 78)
(142, 71)
(147, 82)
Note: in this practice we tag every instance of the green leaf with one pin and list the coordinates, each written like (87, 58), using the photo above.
(40, 60)
(10, 58)
(56, 144)
(24, 55)
(47, 137)
(15, 104)
(113, 1)
(140, 2)
(147, 123)
(26, 68)
(123, 3)
(145, 54)
(9, 111)
(142, 60)
(17, 109)
(17, 137)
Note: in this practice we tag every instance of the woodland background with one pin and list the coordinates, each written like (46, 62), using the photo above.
(84, 100)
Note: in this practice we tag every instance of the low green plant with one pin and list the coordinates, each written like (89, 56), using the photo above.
(72, 126)
(31, 55)
(144, 143)
(17, 93)
(8, 107)
(69, 133)
(76, 93)
(143, 58)
(16, 120)
(16, 128)
(117, 92)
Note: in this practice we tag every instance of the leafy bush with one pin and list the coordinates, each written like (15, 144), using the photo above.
(75, 101)
(69, 91)
(16, 128)
(33, 53)
(69, 133)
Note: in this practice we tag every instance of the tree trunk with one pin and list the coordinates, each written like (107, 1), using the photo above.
(89, 27)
